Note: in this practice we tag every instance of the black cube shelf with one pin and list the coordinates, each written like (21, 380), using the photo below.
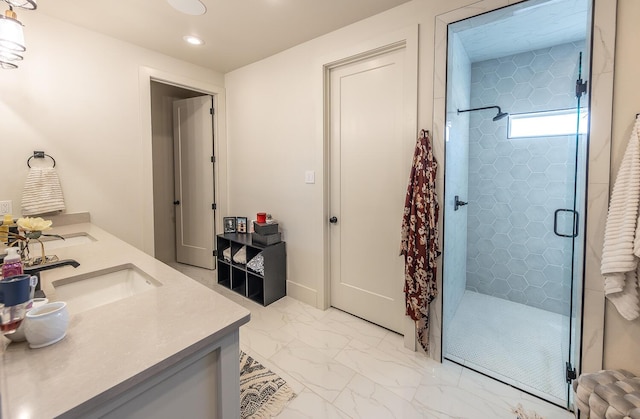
(263, 289)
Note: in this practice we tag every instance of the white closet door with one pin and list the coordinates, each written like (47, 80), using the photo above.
(369, 169)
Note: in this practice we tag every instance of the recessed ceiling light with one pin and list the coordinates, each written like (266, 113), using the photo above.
(189, 7)
(193, 40)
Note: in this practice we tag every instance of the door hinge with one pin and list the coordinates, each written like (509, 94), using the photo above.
(570, 372)
(215, 253)
(581, 88)
(214, 206)
(211, 111)
(213, 159)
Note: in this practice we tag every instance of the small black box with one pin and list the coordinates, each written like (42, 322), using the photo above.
(265, 228)
(265, 240)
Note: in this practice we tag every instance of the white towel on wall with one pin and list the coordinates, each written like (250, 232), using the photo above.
(621, 248)
(42, 192)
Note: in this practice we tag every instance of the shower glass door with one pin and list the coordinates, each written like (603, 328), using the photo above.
(580, 144)
(514, 193)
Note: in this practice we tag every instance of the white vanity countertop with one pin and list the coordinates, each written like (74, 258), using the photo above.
(111, 348)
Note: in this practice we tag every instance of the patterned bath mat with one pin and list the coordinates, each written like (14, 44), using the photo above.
(263, 394)
(523, 414)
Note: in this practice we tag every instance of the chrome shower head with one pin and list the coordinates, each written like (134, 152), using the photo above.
(498, 117)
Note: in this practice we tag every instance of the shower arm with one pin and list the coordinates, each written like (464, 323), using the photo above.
(498, 116)
(480, 109)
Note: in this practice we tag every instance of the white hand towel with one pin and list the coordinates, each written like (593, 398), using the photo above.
(614, 283)
(626, 301)
(42, 192)
(241, 256)
(621, 250)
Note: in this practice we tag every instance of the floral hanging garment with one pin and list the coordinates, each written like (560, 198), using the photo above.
(420, 245)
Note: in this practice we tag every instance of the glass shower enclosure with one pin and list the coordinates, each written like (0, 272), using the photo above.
(514, 193)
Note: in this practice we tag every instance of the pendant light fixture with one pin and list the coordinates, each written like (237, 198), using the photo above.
(23, 4)
(6, 55)
(11, 34)
(12, 43)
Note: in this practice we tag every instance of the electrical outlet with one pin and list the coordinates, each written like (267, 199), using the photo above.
(6, 207)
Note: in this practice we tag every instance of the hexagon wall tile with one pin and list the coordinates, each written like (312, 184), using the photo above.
(515, 185)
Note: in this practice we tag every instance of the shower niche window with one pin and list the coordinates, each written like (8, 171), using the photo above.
(547, 123)
(513, 256)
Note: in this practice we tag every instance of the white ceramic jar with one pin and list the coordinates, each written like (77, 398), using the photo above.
(47, 324)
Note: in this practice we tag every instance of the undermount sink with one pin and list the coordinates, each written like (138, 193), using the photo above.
(94, 289)
(52, 243)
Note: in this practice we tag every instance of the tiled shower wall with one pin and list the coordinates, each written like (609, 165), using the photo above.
(515, 185)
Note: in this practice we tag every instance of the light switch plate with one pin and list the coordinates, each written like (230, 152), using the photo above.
(309, 176)
(6, 207)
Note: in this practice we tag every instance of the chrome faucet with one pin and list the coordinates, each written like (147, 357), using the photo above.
(36, 269)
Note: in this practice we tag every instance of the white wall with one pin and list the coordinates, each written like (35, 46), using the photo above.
(274, 129)
(76, 96)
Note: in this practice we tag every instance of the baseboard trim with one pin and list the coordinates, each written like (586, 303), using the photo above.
(302, 293)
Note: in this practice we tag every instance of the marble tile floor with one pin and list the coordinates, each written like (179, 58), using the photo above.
(341, 366)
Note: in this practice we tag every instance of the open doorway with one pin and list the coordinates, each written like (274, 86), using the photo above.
(165, 202)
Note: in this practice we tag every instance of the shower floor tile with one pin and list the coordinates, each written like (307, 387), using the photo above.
(514, 343)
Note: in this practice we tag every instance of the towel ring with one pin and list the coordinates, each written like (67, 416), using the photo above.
(40, 155)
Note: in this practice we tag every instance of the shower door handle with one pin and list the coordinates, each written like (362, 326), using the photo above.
(575, 222)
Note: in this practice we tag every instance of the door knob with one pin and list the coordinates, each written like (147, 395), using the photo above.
(176, 202)
(333, 220)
